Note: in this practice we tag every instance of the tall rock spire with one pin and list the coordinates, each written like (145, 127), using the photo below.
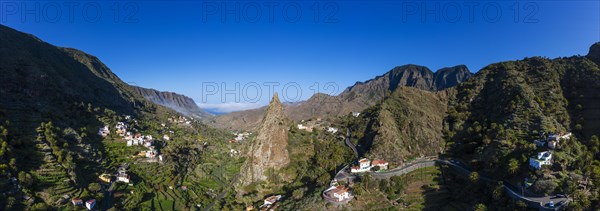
(269, 150)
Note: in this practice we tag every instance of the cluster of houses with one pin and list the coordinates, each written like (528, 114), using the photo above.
(309, 127)
(120, 129)
(139, 139)
(89, 204)
(121, 176)
(239, 137)
(365, 165)
(545, 157)
(552, 140)
(181, 120)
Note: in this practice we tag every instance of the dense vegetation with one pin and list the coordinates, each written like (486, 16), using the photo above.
(495, 117)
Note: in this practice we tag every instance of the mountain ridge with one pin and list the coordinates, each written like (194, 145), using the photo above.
(357, 97)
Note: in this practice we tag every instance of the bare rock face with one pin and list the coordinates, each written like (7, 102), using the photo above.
(269, 150)
(594, 53)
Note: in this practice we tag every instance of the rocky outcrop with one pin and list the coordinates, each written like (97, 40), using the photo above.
(594, 53)
(180, 103)
(269, 149)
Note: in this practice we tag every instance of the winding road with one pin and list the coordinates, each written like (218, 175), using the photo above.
(513, 192)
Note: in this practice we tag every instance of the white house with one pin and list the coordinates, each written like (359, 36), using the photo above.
(303, 127)
(123, 178)
(381, 163)
(151, 153)
(166, 137)
(558, 137)
(104, 131)
(272, 200)
(355, 114)
(364, 165)
(90, 204)
(543, 158)
(338, 193)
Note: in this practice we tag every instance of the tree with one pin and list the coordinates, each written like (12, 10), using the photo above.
(480, 207)
(513, 166)
(497, 193)
(474, 177)
(25, 179)
(94, 187)
(39, 206)
(298, 193)
(544, 186)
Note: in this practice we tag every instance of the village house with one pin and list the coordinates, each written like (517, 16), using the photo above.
(543, 158)
(381, 163)
(151, 153)
(355, 114)
(332, 130)
(123, 178)
(90, 204)
(560, 136)
(338, 194)
(364, 165)
(166, 138)
(121, 128)
(77, 201)
(104, 131)
(105, 178)
(270, 201)
(303, 127)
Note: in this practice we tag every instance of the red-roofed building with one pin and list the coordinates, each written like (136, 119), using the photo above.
(381, 163)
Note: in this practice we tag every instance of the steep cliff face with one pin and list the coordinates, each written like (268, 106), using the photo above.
(180, 103)
(594, 53)
(269, 150)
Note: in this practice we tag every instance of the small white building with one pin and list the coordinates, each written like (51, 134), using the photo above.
(364, 165)
(332, 130)
(338, 193)
(166, 138)
(90, 204)
(104, 131)
(123, 178)
(303, 127)
(543, 158)
(355, 114)
(381, 163)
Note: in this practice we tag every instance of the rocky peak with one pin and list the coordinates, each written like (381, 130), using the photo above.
(451, 76)
(269, 150)
(594, 53)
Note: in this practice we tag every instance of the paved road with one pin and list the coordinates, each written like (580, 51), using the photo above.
(514, 192)
(350, 144)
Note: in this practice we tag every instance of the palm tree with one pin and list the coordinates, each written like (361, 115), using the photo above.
(513, 166)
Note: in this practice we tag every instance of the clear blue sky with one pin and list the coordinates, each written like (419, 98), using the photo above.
(176, 46)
